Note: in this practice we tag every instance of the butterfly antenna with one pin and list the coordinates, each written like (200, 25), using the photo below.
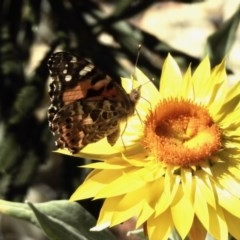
(138, 54)
(137, 59)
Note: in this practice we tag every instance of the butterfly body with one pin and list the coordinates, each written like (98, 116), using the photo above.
(86, 104)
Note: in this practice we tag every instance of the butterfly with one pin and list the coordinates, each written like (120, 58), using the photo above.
(87, 105)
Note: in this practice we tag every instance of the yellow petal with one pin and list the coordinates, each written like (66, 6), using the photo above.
(230, 104)
(227, 181)
(106, 213)
(149, 93)
(201, 208)
(188, 184)
(160, 227)
(171, 185)
(233, 224)
(201, 79)
(205, 186)
(186, 88)
(234, 170)
(212, 91)
(115, 163)
(217, 224)
(127, 182)
(218, 84)
(144, 215)
(99, 150)
(229, 202)
(182, 226)
(230, 122)
(163, 200)
(127, 213)
(171, 78)
(95, 182)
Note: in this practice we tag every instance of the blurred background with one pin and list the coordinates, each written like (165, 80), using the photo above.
(107, 32)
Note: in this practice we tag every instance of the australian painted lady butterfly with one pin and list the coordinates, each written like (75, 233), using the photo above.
(86, 104)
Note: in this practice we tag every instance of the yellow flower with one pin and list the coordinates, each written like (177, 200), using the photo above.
(179, 168)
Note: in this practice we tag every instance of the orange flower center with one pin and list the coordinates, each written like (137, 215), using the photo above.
(181, 133)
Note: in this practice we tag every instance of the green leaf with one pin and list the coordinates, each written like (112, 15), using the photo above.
(60, 220)
(56, 229)
(219, 43)
(18, 210)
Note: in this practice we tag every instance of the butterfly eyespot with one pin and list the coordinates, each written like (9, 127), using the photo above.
(86, 104)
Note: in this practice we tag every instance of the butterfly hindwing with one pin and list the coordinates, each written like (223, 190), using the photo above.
(84, 122)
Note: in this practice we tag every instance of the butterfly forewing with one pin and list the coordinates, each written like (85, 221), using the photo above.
(86, 104)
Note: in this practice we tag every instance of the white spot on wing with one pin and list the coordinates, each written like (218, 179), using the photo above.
(89, 67)
(86, 70)
(68, 78)
(74, 59)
